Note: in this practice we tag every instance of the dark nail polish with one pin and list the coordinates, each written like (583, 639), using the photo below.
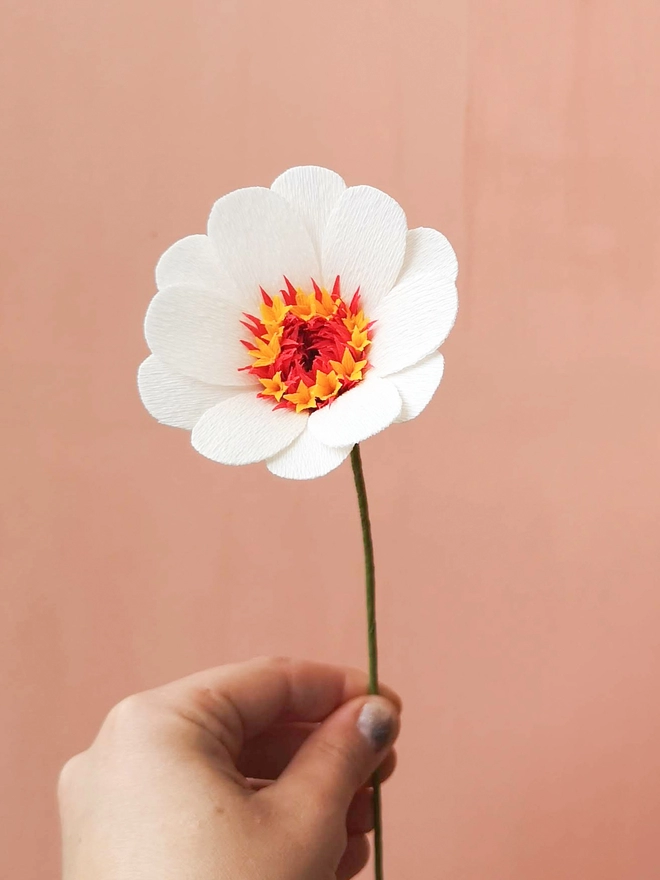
(376, 724)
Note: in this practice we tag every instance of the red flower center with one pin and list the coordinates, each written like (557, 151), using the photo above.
(308, 348)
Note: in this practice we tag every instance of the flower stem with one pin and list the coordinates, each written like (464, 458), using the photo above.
(372, 642)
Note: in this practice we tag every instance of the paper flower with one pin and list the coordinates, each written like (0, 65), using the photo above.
(307, 320)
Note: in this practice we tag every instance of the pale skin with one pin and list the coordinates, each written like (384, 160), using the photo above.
(253, 771)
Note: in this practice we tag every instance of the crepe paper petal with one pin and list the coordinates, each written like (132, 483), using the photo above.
(197, 334)
(417, 385)
(425, 288)
(427, 250)
(260, 238)
(307, 458)
(363, 411)
(177, 400)
(306, 321)
(416, 316)
(245, 429)
(406, 334)
(364, 244)
(313, 192)
(193, 262)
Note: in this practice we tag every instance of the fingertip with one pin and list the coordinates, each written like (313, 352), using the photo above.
(355, 858)
(388, 765)
(360, 815)
(391, 695)
(378, 722)
(342, 754)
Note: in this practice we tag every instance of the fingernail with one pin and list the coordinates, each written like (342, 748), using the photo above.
(376, 724)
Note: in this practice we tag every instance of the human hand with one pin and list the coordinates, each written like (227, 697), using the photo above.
(167, 790)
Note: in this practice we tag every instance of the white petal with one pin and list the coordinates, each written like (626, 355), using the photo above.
(260, 238)
(417, 385)
(246, 429)
(307, 458)
(412, 323)
(416, 316)
(174, 399)
(364, 243)
(193, 261)
(428, 250)
(313, 192)
(360, 413)
(196, 333)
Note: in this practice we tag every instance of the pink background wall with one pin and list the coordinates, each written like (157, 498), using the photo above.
(516, 521)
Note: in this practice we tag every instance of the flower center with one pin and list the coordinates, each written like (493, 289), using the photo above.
(307, 348)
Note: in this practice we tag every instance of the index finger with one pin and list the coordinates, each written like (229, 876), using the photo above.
(241, 700)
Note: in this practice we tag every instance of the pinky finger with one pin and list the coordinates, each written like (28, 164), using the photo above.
(355, 858)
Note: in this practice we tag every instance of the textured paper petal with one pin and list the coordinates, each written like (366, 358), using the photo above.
(417, 385)
(313, 192)
(363, 411)
(412, 322)
(427, 250)
(307, 458)
(416, 316)
(246, 429)
(196, 333)
(364, 243)
(193, 262)
(174, 399)
(260, 238)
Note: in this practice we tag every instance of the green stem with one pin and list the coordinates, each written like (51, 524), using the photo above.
(372, 642)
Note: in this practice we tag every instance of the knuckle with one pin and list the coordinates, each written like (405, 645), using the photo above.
(69, 773)
(274, 660)
(333, 751)
(131, 712)
(217, 714)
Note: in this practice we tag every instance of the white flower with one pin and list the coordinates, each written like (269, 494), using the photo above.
(305, 321)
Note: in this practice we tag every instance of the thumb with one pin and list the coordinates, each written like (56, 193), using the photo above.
(341, 755)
